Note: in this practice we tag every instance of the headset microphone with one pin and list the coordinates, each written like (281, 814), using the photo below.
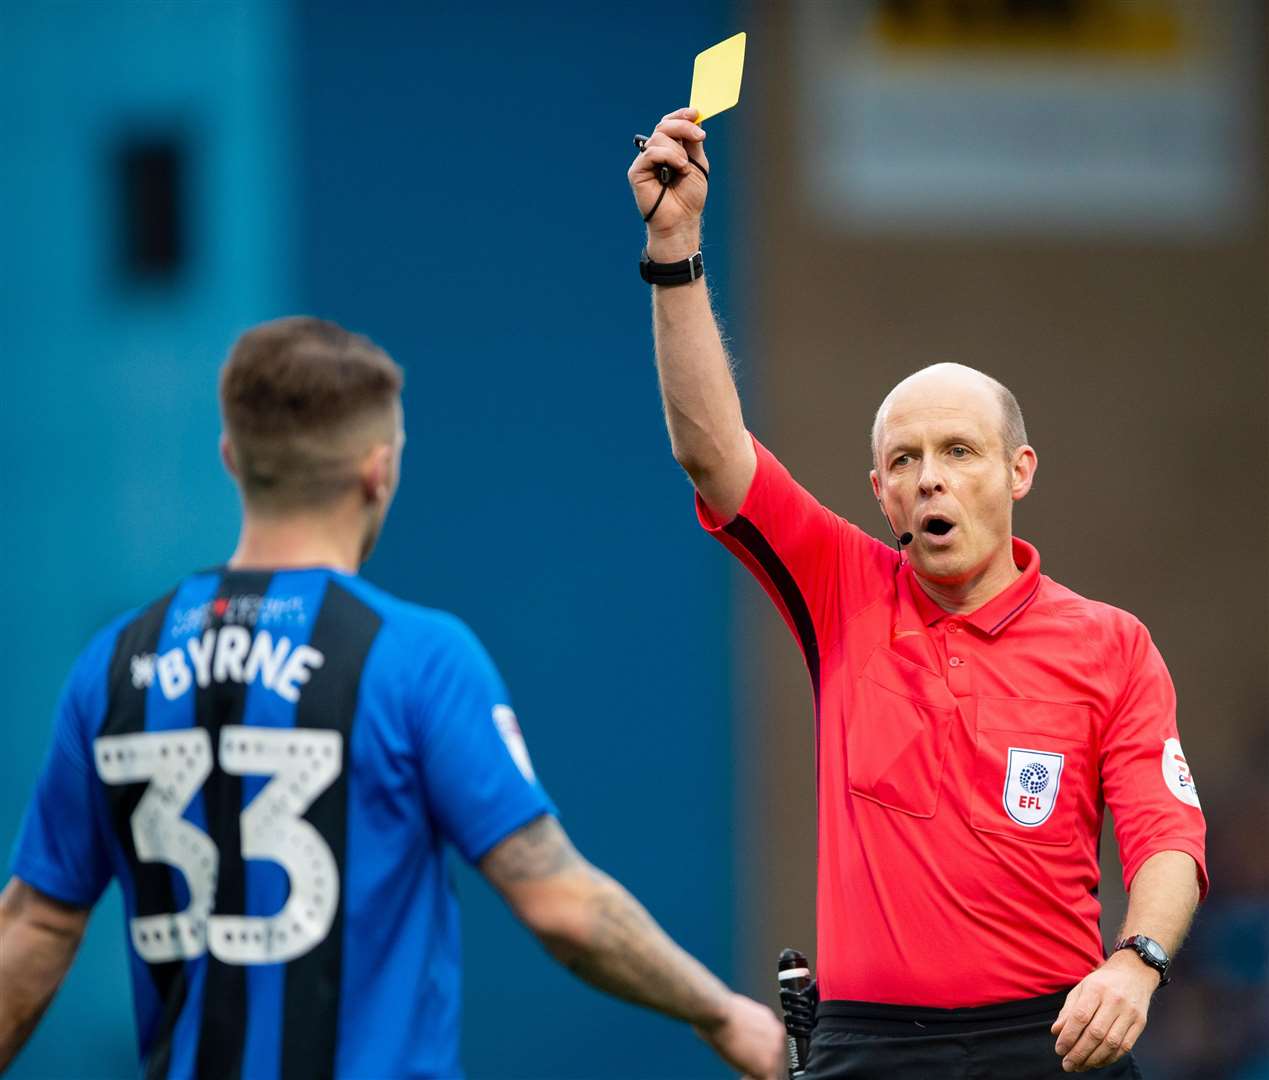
(901, 541)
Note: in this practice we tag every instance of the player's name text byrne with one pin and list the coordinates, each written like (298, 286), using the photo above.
(229, 654)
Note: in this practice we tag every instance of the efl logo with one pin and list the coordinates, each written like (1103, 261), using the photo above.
(1032, 778)
(1177, 775)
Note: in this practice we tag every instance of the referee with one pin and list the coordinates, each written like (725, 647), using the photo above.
(974, 718)
(272, 760)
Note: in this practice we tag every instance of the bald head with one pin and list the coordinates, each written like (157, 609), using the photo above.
(962, 384)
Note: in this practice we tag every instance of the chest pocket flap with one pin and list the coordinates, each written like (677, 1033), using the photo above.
(1033, 770)
(897, 734)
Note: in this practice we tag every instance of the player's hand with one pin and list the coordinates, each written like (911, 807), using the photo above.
(748, 1038)
(1105, 1014)
(674, 231)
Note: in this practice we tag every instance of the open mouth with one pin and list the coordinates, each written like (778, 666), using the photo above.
(937, 526)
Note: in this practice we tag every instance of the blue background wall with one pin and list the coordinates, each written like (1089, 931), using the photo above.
(481, 228)
(453, 185)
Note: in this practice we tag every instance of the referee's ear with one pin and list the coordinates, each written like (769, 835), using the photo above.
(1022, 471)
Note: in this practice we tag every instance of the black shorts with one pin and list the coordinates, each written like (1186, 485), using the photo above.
(1011, 1041)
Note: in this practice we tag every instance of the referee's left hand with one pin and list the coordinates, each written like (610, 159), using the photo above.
(1105, 1014)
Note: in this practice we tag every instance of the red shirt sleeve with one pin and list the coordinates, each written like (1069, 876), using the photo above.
(817, 567)
(1145, 778)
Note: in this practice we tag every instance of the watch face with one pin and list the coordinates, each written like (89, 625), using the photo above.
(1155, 950)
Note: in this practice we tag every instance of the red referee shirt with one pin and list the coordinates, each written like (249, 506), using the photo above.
(964, 761)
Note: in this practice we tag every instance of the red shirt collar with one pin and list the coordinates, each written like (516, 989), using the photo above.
(1001, 609)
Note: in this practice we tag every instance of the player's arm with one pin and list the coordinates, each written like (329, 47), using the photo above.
(593, 926)
(1106, 1013)
(38, 939)
(702, 408)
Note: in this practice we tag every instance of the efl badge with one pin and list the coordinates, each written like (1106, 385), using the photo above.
(1031, 785)
(1177, 775)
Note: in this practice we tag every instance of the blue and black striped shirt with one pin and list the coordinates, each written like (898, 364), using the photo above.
(271, 763)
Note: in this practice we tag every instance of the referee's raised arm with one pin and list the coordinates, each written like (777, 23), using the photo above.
(702, 408)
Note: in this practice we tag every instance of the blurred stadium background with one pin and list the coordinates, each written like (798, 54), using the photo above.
(1069, 194)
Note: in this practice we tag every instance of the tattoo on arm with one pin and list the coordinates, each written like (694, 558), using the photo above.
(538, 850)
(593, 926)
(630, 956)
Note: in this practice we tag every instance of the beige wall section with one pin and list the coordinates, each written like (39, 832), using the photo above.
(1141, 368)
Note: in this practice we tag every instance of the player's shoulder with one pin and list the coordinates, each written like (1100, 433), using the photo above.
(96, 655)
(419, 629)
(111, 654)
(104, 639)
(421, 653)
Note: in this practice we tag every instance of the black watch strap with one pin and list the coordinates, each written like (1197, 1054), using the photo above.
(675, 273)
(1151, 952)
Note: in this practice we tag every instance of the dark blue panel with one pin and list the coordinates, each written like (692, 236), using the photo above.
(463, 200)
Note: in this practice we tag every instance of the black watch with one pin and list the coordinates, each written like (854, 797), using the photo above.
(675, 273)
(1151, 952)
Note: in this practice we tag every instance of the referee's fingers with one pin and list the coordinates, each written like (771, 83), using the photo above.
(1111, 1048)
(682, 130)
(1130, 1039)
(1079, 1013)
(660, 153)
(663, 147)
(681, 114)
(1065, 1011)
(1096, 1030)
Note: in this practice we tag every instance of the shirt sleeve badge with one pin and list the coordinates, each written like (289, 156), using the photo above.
(1177, 775)
(509, 728)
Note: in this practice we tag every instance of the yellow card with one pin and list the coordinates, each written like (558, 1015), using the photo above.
(716, 77)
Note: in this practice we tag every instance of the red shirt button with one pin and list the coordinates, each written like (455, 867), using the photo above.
(956, 661)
